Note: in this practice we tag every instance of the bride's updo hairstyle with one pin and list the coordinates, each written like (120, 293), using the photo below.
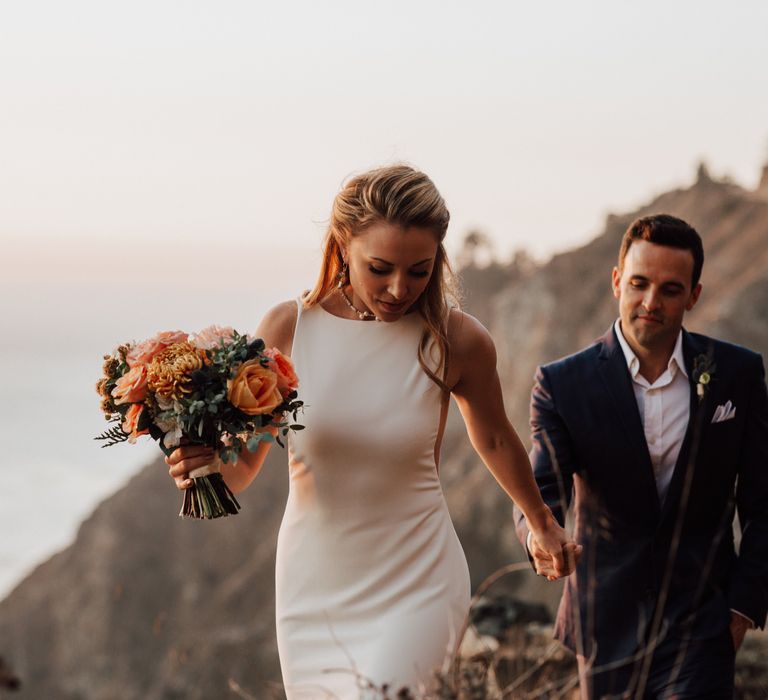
(403, 196)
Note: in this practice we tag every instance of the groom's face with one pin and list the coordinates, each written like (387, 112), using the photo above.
(654, 290)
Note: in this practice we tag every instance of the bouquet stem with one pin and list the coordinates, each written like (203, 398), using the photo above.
(209, 496)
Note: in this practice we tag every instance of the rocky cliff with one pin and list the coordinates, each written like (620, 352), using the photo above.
(145, 606)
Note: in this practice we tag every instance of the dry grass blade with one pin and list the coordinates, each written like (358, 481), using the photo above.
(526, 675)
(673, 549)
(481, 590)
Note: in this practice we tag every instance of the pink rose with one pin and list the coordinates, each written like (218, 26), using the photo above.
(287, 380)
(132, 386)
(143, 353)
(211, 337)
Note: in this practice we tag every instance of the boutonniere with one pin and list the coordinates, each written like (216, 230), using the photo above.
(703, 371)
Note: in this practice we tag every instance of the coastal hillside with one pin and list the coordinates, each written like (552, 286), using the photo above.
(146, 606)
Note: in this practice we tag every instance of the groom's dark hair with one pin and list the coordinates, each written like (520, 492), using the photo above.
(667, 230)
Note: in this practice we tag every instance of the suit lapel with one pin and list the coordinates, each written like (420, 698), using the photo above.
(691, 349)
(618, 385)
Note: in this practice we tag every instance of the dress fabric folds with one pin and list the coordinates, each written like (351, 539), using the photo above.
(372, 583)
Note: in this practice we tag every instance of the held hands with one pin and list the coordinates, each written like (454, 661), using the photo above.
(554, 554)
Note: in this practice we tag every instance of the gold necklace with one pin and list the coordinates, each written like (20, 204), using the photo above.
(362, 315)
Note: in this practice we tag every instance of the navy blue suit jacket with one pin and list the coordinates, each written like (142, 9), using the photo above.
(589, 450)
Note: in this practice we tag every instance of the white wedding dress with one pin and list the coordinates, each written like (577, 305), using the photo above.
(372, 583)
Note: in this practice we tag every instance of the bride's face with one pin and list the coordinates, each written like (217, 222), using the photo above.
(390, 267)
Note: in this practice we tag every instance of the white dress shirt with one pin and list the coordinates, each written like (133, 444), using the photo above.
(665, 407)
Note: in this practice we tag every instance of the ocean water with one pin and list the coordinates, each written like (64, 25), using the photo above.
(55, 330)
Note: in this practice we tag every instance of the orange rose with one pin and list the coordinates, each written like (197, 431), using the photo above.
(132, 386)
(254, 390)
(131, 421)
(287, 380)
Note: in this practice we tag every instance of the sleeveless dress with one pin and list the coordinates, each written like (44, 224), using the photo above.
(372, 584)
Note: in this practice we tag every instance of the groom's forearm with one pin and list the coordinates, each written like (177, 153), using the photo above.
(552, 453)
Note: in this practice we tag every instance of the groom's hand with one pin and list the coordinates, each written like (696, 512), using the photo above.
(739, 627)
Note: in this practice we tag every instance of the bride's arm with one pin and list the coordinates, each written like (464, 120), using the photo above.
(475, 386)
(276, 329)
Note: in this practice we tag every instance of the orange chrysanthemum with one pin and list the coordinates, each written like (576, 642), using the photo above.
(168, 374)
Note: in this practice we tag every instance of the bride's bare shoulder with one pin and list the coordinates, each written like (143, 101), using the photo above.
(466, 334)
(470, 345)
(278, 326)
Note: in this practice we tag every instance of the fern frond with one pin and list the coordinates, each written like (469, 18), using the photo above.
(114, 436)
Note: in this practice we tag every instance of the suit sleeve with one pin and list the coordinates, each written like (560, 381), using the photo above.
(749, 581)
(553, 464)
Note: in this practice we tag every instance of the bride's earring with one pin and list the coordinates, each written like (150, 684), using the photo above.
(343, 276)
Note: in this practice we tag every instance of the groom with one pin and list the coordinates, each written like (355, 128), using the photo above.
(657, 435)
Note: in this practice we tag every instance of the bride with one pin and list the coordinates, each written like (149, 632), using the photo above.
(372, 583)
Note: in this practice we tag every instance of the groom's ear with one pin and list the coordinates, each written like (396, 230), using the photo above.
(616, 282)
(694, 297)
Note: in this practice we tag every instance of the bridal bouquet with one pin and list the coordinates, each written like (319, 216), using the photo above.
(216, 388)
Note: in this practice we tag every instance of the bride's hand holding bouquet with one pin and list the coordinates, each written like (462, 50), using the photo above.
(187, 459)
(219, 393)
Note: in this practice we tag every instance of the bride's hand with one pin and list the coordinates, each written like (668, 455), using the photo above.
(554, 554)
(185, 459)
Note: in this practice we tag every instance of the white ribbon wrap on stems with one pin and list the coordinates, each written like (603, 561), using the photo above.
(206, 470)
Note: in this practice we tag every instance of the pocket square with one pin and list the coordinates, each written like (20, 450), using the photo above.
(724, 412)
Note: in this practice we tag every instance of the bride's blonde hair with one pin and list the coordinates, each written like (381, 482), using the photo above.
(401, 195)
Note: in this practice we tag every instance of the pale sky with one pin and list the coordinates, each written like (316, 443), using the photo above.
(225, 122)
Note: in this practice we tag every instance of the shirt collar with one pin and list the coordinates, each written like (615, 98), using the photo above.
(676, 361)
